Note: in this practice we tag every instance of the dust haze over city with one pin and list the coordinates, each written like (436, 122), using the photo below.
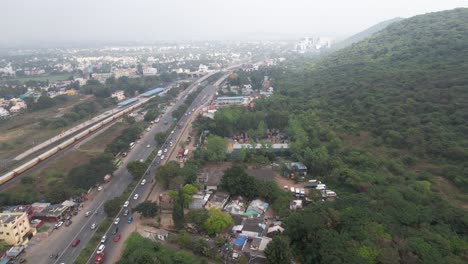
(233, 131)
(57, 22)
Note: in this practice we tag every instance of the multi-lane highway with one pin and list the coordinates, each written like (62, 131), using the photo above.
(111, 249)
(59, 242)
(81, 227)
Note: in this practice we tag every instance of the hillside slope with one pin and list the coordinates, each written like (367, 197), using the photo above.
(365, 33)
(382, 123)
(408, 85)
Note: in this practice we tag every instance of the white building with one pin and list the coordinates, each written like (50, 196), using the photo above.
(203, 68)
(150, 71)
(4, 113)
(119, 95)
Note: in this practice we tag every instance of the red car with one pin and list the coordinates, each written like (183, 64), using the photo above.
(117, 238)
(75, 242)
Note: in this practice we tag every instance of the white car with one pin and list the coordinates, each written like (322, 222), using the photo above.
(93, 226)
(165, 150)
(59, 224)
(162, 157)
(101, 249)
(126, 204)
(103, 239)
(141, 160)
(99, 188)
(172, 132)
(148, 146)
(148, 129)
(117, 220)
(159, 153)
(88, 213)
(135, 197)
(143, 182)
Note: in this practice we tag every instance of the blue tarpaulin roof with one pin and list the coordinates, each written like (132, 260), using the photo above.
(240, 241)
(231, 98)
(152, 92)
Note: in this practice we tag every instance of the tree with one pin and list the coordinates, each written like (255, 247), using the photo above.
(147, 209)
(137, 168)
(189, 172)
(278, 251)
(198, 217)
(215, 148)
(217, 221)
(237, 182)
(178, 211)
(167, 173)
(160, 137)
(112, 207)
(188, 191)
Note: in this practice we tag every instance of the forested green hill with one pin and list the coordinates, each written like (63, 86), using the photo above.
(384, 123)
(365, 33)
(407, 85)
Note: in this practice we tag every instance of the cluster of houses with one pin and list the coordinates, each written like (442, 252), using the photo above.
(11, 106)
(252, 230)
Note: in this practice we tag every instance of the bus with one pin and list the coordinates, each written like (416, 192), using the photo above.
(117, 163)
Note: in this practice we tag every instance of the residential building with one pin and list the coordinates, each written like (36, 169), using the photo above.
(49, 212)
(253, 227)
(4, 113)
(260, 243)
(19, 105)
(71, 92)
(203, 68)
(235, 207)
(150, 71)
(15, 229)
(256, 208)
(162, 235)
(119, 95)
(217, 200)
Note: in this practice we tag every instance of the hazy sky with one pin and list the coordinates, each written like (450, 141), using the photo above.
(67, 21)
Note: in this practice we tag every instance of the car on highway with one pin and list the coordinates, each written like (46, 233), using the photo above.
(135, 197)
(193, 109)
(162, 157)
(88, 213)
(117, 238)
(165, 150)
(103, 239)
(75, 242)
(93, 226)
(143, 182)
(101, 249)
(126, 204)
(58, 225)
(116, 221)
(148, 146)
(125, 213)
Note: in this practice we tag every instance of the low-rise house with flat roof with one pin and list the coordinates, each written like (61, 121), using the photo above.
(217, 200)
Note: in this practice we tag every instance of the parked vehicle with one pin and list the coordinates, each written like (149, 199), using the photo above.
(125, 213)
(58, 225)
(126, 204)
(103, 239)
(135, 197)
(116, 221)
(130, 219)
(132, 145)
(93, 226)
(159, 153)
(143, 182)
(117, 238)
(99, 259)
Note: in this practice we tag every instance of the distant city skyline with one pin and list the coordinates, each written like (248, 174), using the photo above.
(38, 22)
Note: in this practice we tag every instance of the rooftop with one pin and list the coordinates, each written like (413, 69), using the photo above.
(152, 92)
(295, 165)
(127, 102)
